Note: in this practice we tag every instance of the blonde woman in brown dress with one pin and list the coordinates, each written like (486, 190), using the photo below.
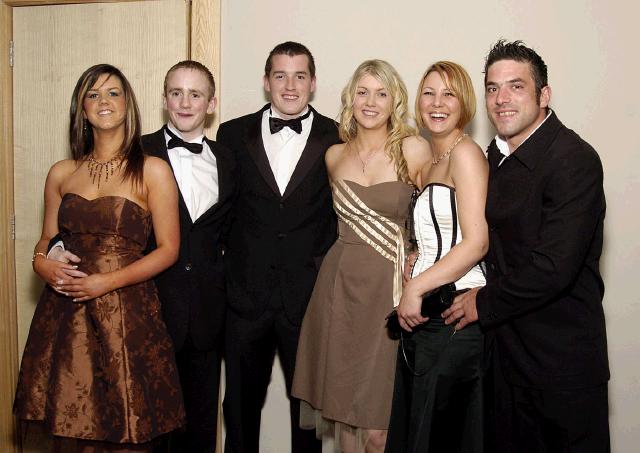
(346, 360)
(98, 365)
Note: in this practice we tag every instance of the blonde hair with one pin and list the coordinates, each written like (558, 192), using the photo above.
(397, 126)
(458, 81)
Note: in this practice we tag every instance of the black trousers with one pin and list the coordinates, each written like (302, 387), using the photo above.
(200, 380)
(250, 348)
(527, 420)
(438, 393)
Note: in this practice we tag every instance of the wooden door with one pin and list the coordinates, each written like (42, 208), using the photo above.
(53, 45)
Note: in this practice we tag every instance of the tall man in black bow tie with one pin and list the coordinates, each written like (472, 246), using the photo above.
(282, 224)
(192, 291)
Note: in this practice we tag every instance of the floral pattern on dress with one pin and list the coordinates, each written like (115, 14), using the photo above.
(104, 369)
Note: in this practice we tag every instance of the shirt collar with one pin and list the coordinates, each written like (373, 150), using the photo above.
(273, 113)
(171, 127)
(503, 146)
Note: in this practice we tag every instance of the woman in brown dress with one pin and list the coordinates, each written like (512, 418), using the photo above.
(346, 360)
(98, 365)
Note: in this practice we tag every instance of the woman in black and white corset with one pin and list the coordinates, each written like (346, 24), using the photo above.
(437, 403)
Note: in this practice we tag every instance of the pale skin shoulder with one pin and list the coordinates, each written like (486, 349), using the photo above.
(417, 153)
(59, 173)
(332, 158)
(162, 204)
(469, 172)
(158, 178)
(467, 156)
(53, 270)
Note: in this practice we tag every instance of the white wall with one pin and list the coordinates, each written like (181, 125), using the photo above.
(590, 47)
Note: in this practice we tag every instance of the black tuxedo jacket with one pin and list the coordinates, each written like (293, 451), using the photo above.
(277, 242)
(192, 291)
(543, 298)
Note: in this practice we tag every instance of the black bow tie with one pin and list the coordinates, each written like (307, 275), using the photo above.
(295, 124)
(177, 142)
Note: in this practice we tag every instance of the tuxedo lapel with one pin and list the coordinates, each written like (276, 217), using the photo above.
(156, 145)
(313, 151)
(207, 214)
(255, 148)
(225, 181)
(224, 172)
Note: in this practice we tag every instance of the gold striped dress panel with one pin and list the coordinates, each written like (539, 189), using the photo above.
(381, 233)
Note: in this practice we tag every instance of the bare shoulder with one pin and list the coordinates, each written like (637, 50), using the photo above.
(155, 167)
(334, 154)
(158, 180)
(468, 159)
(63, 169)
(415, 148)
(417, 152)
(335, 151)
(467, 150)
(64, 166)
(414, 143)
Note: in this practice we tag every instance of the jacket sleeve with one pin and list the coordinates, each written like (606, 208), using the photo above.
(224, 137)
(55, 241)
(572, 209)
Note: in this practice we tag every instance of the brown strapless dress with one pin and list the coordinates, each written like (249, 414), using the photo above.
(103, 369)
(345, 365)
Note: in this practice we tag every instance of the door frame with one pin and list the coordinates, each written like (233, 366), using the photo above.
(204, 46)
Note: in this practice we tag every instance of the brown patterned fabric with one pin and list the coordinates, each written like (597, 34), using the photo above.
(104, 369)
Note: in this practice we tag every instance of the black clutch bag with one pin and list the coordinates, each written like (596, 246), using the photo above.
(438, 301)
(433, 304)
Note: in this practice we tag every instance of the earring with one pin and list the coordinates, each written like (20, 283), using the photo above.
(84, 125)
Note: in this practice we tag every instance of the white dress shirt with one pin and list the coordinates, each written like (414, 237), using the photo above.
(196, 175)
(285, 147)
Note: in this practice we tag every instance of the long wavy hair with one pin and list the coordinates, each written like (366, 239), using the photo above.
(397, 126)
(81, 130)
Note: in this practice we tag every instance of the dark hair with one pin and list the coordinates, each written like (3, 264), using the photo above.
(81, 130)
(196, 66)
(517, 51)
(290, 49)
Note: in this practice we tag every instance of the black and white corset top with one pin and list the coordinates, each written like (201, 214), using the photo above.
(437, 230)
